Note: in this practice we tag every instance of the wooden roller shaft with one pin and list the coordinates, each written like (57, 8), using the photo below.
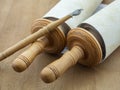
(85, 49)
(49, 43)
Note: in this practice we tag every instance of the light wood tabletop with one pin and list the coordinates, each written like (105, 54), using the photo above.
(16, 18)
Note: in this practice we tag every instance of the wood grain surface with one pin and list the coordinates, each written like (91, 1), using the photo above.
(16, 18)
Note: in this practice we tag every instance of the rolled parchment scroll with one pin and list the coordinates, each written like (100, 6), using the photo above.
(90, 43)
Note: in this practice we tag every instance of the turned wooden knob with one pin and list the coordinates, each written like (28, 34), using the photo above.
(84, 48)
(49, 43)
(26, 58)
(57, 68)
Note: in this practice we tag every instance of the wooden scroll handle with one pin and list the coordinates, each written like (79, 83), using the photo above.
(26, 58)
(58, 67)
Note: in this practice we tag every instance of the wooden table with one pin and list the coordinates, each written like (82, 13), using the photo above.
(16, 17)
